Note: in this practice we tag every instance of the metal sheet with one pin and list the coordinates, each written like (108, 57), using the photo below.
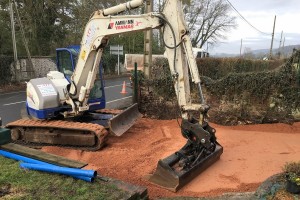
(165, 176)
(119, 124)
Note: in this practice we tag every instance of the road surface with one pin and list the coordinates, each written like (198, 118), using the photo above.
(11, 103)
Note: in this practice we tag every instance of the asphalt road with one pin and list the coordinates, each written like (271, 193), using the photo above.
(11, 103)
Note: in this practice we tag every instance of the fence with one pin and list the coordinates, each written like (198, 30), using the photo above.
(23, 69)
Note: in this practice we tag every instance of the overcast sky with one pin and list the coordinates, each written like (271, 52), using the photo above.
(261, 13)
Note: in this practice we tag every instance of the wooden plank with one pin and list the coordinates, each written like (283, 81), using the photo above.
(42, 156)
(132, 191)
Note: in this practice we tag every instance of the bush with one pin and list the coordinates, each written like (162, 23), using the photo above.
(217, 68)
(240, 91)
(292, 171)
(292, 167)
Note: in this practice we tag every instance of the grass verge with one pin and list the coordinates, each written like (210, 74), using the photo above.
(17, 183)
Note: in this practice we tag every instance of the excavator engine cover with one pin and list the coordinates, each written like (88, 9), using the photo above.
(176, 170)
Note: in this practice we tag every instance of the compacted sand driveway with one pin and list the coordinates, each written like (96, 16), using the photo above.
(252, 153)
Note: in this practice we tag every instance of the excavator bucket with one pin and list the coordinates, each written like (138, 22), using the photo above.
(120, 123)
(170, 176)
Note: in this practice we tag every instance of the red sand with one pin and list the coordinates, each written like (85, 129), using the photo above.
(252, 153)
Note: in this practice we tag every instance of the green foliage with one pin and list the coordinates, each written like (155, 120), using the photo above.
(39, 20)
(49, 24)
(140, 76)
(158, 97)
(217, 68)
(235, 72)
(109, 63)
(239, 91)
(5, 72)
(17, 183)
(292, 170)
(132, 42)
(161, 79)
(260, 84)
(5, 30)
(292, 167)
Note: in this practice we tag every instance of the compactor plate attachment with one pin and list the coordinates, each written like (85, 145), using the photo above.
(200, 152)
(168, 177)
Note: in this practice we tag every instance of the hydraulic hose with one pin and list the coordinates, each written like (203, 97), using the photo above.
(60, 170)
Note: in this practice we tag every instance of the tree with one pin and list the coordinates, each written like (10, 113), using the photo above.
(40, 23)
(5, 31)
(208, 20)
(49, 24)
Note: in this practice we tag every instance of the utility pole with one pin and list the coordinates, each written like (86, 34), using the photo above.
(279, 48)
(207, 46)
(283, 47)
(241, 47)
(280, 39)
(31, 66)
(13, 34)
(272, 37)
(148, 43)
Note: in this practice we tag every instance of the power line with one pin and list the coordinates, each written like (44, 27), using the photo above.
(246, 19)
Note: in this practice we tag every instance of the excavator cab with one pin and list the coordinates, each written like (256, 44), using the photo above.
(117, 122)
(66, 59)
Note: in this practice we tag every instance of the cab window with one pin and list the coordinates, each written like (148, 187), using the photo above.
(65, 63)
(96, 91)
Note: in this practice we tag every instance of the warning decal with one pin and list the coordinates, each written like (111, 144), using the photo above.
(47, 90)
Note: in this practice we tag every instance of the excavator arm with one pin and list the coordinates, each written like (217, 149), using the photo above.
(97, 32)
(104, 25)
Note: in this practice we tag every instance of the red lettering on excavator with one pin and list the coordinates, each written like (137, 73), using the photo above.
(128, 26)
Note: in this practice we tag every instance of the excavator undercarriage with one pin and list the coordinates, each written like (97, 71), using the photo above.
(88, 132)
(85, 136)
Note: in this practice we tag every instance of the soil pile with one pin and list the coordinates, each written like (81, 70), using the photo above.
(252, 153)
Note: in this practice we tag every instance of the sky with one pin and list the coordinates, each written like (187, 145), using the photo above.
(261, 13)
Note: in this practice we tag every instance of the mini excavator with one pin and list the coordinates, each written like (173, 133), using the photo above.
(56, 95)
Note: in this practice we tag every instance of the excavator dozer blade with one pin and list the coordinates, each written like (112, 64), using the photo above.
(168, 177)
(120, 123)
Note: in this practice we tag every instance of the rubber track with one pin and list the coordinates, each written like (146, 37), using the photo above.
(99, 131)
(109, 111)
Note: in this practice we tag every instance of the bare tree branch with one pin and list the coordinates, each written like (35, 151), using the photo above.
(208, 20)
